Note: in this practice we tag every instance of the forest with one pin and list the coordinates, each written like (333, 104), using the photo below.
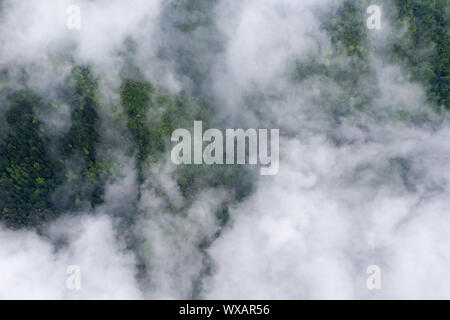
(66, 142)
(33, 171)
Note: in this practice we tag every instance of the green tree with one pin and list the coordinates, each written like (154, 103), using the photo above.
(27, 173)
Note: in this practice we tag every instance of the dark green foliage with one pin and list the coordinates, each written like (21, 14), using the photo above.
(193, 178)
(425, 48)
(135, 100)
(36, 184)
(80, 143)
(347, 64)
(152, 116)
(347, 28)
(27, 174)
(223, 216)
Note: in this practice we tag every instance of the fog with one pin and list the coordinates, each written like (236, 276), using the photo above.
(355, 187)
